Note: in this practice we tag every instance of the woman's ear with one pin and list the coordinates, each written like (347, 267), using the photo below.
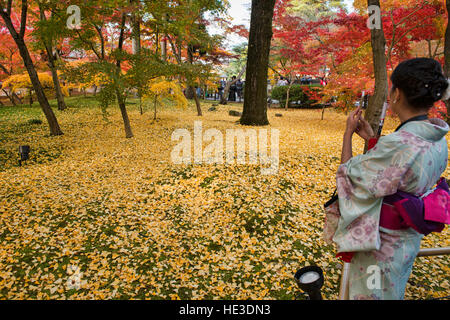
(396, 96)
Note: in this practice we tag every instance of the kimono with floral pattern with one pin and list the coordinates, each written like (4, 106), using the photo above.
(411, 160)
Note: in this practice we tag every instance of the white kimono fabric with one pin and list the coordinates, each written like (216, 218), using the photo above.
(411, 160)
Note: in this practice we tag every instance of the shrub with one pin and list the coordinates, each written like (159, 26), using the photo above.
(306, 96)
(34, 121)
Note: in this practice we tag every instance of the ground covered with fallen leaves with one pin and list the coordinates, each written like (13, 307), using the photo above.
(136, 226)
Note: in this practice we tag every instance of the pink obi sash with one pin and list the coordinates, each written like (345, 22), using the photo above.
(425, 214)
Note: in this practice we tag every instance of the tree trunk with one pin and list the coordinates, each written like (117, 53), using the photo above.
(377, 101)
(58, 92)
(164, 49)
(189, 93)
(447, 57)
(226, 93)
(197, 103)
(55, 130)
(287, 95)
(154, 104)
(190, 90)
(120, 95)
(51, 63)
(123, 111)
(255, 95)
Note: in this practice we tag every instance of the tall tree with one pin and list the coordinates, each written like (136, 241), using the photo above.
(190, 89)
(184, 25)
(121, 97)
(109, 61)
(255, 96)
(19, 38)
(48, 37)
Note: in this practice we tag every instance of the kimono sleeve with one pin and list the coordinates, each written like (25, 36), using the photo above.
(362, 183)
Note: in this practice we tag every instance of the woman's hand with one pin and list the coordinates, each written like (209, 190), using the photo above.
(364, 129)
(352, 125)
(353, 121)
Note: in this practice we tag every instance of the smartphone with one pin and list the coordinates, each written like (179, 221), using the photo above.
(365, 102)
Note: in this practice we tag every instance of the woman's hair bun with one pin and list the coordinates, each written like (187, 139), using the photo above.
(438, 88)
(422, 81)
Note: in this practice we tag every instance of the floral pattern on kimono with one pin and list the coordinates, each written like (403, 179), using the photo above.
(411, 160)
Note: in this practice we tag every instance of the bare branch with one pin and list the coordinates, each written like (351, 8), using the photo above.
(89, 43)
(413, 12)
(7, 19)
(419, 25)
(4, 69)
(175, 51)
(102, 39)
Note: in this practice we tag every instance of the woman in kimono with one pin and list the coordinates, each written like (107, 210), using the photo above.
(412, 159)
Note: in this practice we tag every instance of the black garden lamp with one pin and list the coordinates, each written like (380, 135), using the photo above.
(310, 280)
(24, 154)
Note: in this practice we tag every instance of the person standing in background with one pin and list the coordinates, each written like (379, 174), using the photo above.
(232, 95)
(239, 87)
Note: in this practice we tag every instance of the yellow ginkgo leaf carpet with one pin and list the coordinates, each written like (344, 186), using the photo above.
(93, 215)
